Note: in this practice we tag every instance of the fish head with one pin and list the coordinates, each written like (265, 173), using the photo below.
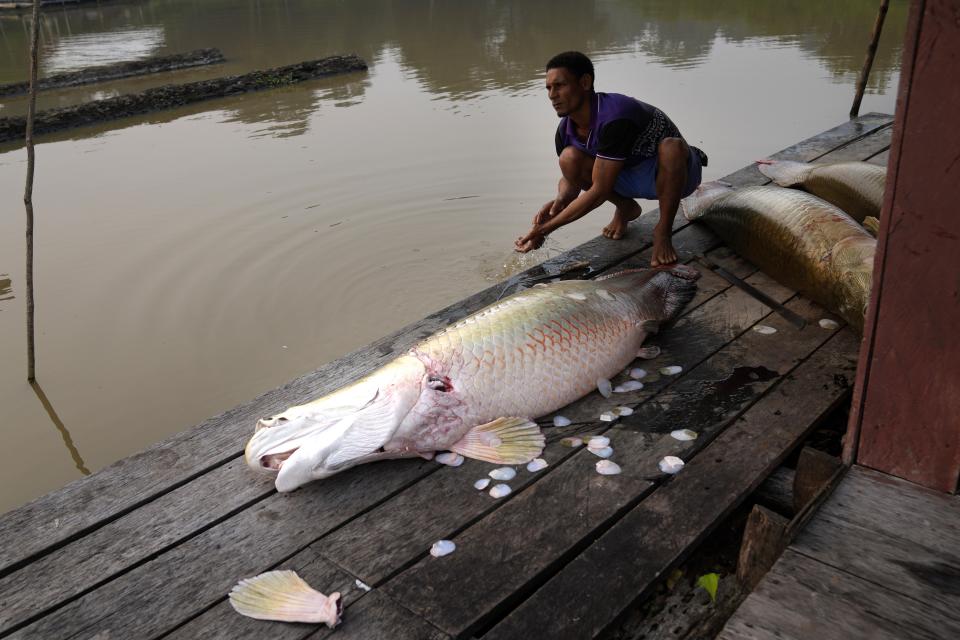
(852, 257)
(338, 431)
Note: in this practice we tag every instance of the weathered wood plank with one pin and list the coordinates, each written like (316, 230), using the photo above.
(86, 504)
(802, 599)
(764, 539)
(893, 533)
(156, 596)
(814, 471)
(665, 526)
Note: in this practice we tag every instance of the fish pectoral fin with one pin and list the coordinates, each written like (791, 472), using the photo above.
(503, 441)
(284, 596)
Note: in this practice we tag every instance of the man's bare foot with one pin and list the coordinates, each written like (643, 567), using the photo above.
(621, 218)
(663, 251)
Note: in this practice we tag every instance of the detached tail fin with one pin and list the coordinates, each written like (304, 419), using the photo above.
(785, 173)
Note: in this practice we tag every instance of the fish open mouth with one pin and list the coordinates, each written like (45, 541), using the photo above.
(273, 461)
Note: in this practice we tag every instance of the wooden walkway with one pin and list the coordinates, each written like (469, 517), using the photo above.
(879, 560)
(150, 546)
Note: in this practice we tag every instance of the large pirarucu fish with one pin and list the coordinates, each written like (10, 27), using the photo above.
(855, 187)
(800, 240)
(475, 387)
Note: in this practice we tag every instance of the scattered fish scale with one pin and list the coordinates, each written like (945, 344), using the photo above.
(571, 442)
(561, 421)
(500, 490)
(608, 416)
(441, 548)
(603, 452)
(623, 411)
(671, 464)
(683, 434)
(363, 585)
(628, 386)
(598, 442)
(608, 468)
(503, 473)
(827, 323)
(605, 387)
(638, 373)
(764, 329)
(450, 459)
(536, 464)
(672, 370)
(481, 484)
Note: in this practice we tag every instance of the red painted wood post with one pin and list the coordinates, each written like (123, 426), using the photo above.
(906, 415)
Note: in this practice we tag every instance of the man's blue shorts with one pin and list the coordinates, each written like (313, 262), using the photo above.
(640, 180)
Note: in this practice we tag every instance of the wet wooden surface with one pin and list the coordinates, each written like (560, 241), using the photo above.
(879, 560)
(150, 546)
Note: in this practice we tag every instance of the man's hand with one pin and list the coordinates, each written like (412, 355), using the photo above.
(546, 212)
(533, 240)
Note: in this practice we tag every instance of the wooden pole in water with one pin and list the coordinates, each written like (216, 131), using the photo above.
(28, 190)
(868, 62)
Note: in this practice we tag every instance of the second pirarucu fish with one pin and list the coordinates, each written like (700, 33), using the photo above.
(475, 387)
(800, 240)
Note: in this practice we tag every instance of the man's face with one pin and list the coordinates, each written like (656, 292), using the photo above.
(565, 91)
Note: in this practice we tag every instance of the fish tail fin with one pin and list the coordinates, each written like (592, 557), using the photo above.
(785, 173)
(697, 203)
(503, 441)
(286, 597)
(872, 224)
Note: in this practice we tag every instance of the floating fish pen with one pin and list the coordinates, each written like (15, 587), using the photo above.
(151, 546)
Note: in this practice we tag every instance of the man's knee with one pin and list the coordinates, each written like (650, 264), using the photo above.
(673, 152)
(576, 167)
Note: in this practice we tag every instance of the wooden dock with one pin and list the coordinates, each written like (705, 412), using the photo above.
(150, 546)
(879, 560)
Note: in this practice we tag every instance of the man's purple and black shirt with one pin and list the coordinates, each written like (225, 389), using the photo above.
(621, 128)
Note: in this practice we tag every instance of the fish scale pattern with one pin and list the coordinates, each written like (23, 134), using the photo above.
(545, 347)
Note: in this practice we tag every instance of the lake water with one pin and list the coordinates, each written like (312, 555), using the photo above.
(189, 260)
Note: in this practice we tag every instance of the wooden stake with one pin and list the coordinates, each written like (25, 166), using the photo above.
(28, 190)
(868, 62)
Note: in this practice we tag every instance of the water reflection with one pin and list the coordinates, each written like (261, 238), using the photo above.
(75, 52)
(496, 44)
(5, 288)
(64, 432)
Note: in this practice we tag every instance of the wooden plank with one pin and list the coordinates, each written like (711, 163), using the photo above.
(776, 492)
(157, 596)
(814, 471)
(802, 599)
(590, 592)
(78, 508)
(376, 617)
(891, 533)
(907, 420)
(534, 530)
(764, 539)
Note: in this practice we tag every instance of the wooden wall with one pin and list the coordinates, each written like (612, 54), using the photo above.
(906, 415)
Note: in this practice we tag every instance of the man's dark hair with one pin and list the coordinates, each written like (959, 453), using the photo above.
(574, 62)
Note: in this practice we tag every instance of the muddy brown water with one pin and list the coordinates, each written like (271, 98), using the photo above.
(189, 260)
